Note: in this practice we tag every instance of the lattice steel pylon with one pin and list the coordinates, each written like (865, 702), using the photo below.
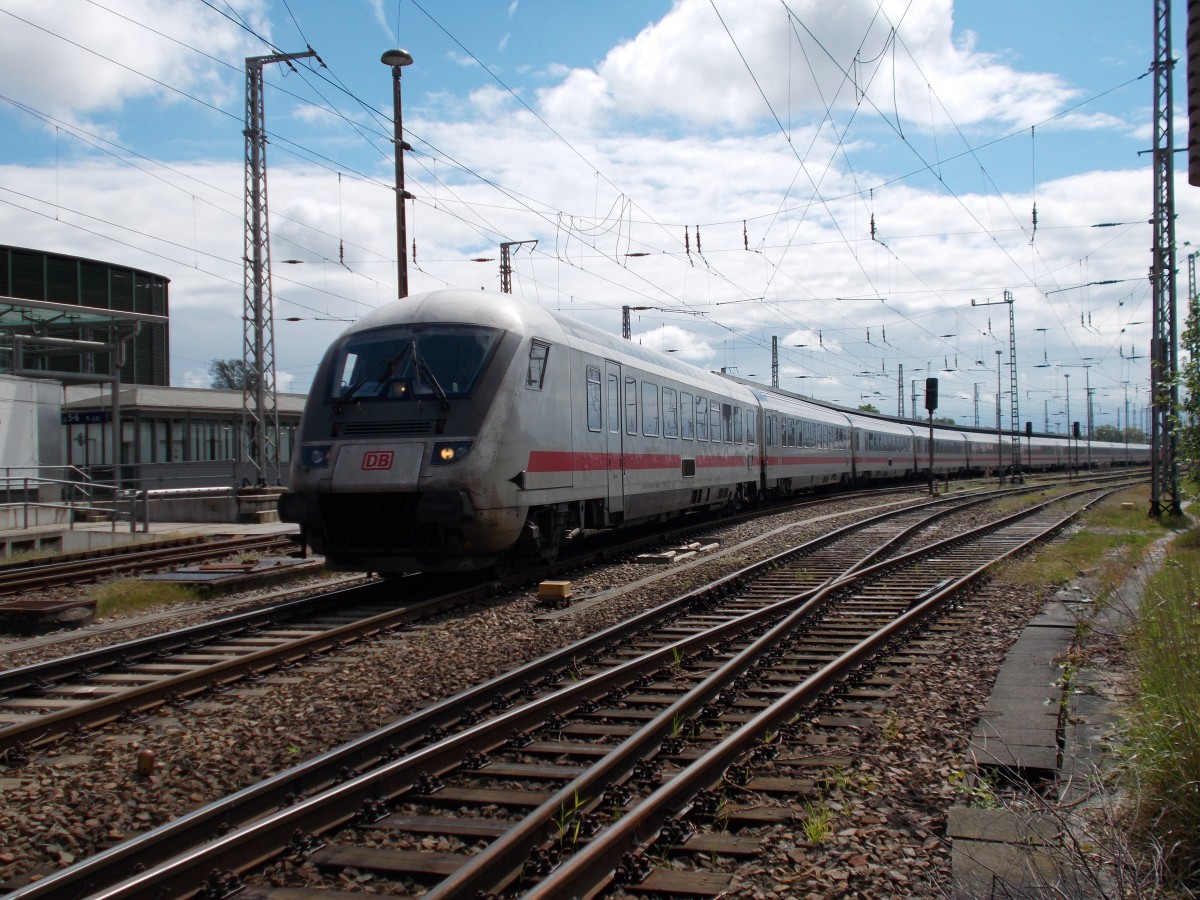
(1013, 393)
(506, 263)
(260, 414)
(1164, 384)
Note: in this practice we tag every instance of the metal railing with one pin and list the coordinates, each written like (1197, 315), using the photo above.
(82, 498)
(78, 495)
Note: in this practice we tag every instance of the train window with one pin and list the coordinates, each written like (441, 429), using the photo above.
(714, 423)
(670, 412)
(631, 405)
(738, 436)
(751, 431)
(649, 409)
(701, 418)
(594, 419)
(687, 415)
(726, 422)
(770, 422)
(539, 354)
(614, 404)
(406, 363)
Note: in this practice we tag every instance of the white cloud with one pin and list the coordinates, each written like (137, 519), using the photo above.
(380, 15)
(685, 345)
(643, 169)
(752, 61)
(75, 59)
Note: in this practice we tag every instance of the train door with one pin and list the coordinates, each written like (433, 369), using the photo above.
(613, 431)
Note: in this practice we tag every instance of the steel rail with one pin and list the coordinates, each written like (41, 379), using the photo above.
(260, 801)
(592, 868)
(51, 574)
(42, 729)
(241, 810)
(42, 676)
(493, 869)
(131, 652)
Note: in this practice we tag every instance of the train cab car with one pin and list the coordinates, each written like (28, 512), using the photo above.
(447, 429)
(882, 449)
(400, 433)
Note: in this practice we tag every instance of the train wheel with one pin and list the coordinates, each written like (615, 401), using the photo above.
(551, 542)
(503, 565)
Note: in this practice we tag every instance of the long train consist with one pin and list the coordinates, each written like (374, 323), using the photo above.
(449, 430)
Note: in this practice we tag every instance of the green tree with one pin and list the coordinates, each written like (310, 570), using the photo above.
(869, 407)
(1188, 422)
(1109, 433)
(1135, 435)
(231, 375)
(943, 420)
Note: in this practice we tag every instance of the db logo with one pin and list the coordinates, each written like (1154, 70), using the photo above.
(377, 460)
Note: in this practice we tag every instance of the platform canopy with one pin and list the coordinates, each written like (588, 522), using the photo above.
(29, 327)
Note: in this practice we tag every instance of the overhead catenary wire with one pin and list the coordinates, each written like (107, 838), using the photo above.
(617, 224)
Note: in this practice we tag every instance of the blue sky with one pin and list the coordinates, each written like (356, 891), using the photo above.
(774, 133)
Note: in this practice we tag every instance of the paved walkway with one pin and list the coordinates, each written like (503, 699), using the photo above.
(102, 535)
(1054, 734)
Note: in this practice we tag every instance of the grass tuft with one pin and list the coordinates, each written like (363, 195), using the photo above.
(1108, 550)
(128, 595)
(1165, 735)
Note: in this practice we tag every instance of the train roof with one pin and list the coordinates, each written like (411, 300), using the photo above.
(516, 314)
(513, 313)
(457, 306)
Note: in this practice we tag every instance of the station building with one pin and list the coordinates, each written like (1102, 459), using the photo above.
(85, 344)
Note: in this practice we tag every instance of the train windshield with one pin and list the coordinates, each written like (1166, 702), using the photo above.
(427, 362)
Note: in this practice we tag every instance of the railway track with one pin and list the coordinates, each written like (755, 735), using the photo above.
(41, 703)
(76, 569)
(681, 685)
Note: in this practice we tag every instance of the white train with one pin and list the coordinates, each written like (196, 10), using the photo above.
(449, 430)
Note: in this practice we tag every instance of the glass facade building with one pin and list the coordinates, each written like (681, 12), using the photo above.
(37, 275)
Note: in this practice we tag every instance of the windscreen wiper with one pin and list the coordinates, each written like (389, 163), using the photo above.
(423, 366)
(340, 403)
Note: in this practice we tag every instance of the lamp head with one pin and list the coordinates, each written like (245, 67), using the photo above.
(396, 58)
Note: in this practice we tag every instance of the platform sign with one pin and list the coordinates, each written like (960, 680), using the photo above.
(85, 418)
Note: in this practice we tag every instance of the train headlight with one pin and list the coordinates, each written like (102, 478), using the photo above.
(447, 452)
(315, 456)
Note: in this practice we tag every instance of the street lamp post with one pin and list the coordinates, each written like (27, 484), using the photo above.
(398, 59)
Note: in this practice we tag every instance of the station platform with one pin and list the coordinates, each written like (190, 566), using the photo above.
(86, 536)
